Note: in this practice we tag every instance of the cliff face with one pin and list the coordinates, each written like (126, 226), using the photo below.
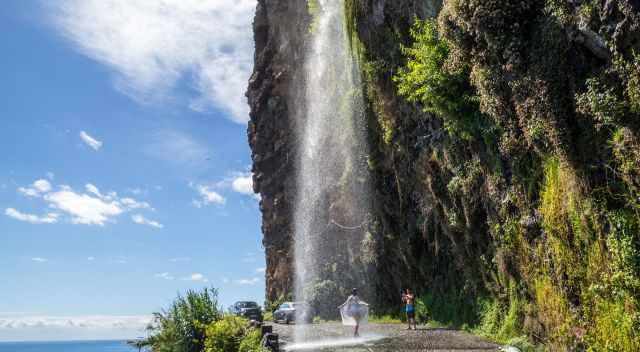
(280, 28)
(504, 154)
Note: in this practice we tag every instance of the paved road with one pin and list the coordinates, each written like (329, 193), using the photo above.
(380, 337)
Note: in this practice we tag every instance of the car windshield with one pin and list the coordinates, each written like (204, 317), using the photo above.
(247, 304)
(284, 305)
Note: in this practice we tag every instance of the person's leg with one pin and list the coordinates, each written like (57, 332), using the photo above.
(411, 319)
(355, 334)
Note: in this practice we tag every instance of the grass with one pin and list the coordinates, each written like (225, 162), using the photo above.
(384, 319)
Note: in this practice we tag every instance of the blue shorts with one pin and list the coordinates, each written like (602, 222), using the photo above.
(411, 311)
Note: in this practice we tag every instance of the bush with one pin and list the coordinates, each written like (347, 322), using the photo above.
(181, 327)
(226, 334)
(252, 342)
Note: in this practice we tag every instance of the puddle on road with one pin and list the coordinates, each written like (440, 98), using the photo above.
(333, 343)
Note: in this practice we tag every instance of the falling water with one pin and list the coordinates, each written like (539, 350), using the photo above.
(332, 203)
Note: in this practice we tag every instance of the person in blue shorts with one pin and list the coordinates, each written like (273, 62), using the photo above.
(409, 300)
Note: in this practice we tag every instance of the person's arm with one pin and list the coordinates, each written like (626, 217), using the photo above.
(345, 303)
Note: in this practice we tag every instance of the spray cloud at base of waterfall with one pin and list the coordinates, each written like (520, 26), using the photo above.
(332, 190)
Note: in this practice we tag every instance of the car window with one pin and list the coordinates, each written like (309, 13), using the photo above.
(246, 305)
(284, 306)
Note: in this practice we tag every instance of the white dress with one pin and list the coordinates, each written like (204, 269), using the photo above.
(354, 309)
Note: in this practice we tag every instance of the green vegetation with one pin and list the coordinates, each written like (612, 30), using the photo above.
(181, 328)
(441, 89)
(313, 7)
(195, 323)
(505, 156)
(384, 319)
(232, 334)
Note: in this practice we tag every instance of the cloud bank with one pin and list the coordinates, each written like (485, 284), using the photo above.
(49, 328)
(151, 45)
(90, 207)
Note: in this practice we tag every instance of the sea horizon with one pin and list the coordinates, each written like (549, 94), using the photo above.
(66, 341)
(66, 346)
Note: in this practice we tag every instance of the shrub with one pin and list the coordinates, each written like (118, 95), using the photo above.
(251, 342)
(226, 334)
(181, 327)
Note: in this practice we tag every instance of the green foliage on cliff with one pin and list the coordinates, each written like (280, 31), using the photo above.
(441, 90)
(506, 153)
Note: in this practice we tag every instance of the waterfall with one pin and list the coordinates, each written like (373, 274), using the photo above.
(332, 191)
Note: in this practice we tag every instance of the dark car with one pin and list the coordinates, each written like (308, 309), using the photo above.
(293, 312)
(247, 309)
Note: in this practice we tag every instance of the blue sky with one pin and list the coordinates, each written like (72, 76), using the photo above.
(125, 177)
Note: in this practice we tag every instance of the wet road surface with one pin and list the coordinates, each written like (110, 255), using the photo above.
(328, 337)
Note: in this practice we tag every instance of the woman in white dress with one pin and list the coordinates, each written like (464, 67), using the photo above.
(355, 308)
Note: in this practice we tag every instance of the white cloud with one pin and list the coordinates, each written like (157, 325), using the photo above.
(139, 219)
(83, 208)
(196, 277)
(38, 259)
(87, 322)
(152, 44)
(93, 189)
(49, 218)
(240, 182)
(243, 184)
(91, 208)
(42, 186)
(260, 270)
(91, 259)
(138, 191)
(207, 196)
(165, 276)
(90, 141)
(36, 188)
(29, 192)
(134, 204)
(50, 175)
(248, 282)
(30, 327)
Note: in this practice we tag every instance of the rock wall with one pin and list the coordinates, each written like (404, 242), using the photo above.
(507, 190)
(280, 28)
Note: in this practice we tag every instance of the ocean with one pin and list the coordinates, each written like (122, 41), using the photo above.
(71, 346)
